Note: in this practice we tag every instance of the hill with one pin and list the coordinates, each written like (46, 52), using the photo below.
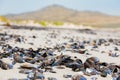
(62, 14)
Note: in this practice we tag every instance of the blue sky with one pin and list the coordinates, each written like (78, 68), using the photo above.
(111, 7)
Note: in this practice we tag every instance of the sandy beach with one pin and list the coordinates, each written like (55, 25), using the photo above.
(50, 38)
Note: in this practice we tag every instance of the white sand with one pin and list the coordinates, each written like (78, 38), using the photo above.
(42, 38)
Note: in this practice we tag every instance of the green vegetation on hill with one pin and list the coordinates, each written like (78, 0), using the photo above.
(5, 20)
(57, 23)
(43, 23)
